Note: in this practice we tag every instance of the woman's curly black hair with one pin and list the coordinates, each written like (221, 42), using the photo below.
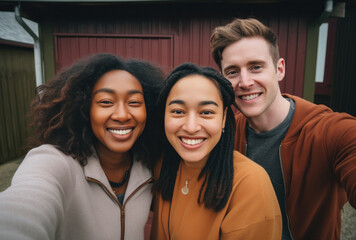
(60, 109)
(218, 172)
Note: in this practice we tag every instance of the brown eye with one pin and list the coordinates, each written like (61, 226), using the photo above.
(206, 112)
(105, 102)
(231, 74)
(177, 111)
(135, 103)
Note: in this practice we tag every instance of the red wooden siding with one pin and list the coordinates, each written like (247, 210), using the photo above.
(292, 36)
(157, 49)
(172, 40)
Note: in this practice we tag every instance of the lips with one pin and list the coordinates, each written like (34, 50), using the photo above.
(120, 131)
(250, 96)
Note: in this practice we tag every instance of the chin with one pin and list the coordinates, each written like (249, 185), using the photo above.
(191, 159)
(250, 113)
(121, 149)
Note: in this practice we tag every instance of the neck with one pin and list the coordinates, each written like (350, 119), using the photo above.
(194, 165)
(110, 161)
(272, 117)
(191, 170)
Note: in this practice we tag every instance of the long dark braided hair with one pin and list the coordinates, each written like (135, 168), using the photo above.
(218, 171)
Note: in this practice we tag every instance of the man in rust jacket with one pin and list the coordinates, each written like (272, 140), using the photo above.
(308, 150)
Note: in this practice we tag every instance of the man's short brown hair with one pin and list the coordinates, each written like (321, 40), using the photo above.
(238, 29)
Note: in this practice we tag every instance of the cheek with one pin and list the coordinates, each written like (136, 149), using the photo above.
(141, 116)
(170, 127)
(215, 128)
(96, 126)
(95, 117)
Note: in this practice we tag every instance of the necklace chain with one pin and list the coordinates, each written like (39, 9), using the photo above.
(185, 189)
(120, 184)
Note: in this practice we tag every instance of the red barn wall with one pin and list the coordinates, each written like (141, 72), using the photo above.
(173, 37)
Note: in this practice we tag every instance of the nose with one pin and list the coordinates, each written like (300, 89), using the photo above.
(121, 113)
(245, 80)
(191, 124)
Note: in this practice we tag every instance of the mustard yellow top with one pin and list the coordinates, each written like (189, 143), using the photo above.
(252, 211)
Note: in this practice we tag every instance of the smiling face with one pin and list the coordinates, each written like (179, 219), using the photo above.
(194, 118)
(117, 111)
(248, 65)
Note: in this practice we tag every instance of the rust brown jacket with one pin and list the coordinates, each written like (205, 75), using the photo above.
(251, 213)
(318, 157)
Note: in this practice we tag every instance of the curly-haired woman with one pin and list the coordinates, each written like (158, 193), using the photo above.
(88, 175)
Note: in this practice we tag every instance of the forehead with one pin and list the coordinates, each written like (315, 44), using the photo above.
(245, 50)
(119, 80)
(195, 87)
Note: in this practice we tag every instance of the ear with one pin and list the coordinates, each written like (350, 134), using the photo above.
(281, 69)
(224, 118)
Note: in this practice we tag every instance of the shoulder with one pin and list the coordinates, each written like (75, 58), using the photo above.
(243, 167)
(305, 106)
(47, 161)
(48, 154)
(251, 181)
(157, 168)
(307, 111)
(45, 149)
(254, 200)
(315, 118)
(250, 178)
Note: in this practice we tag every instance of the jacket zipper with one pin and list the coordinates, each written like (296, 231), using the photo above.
(285, 191)
(122, 207)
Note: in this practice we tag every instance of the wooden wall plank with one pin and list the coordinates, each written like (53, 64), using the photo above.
(17, 84)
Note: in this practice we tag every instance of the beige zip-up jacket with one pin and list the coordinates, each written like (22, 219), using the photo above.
(53, 197)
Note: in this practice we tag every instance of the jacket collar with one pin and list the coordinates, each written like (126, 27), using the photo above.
(139, 174)
(305, 112)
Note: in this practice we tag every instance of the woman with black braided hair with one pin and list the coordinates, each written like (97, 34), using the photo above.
(205, 190)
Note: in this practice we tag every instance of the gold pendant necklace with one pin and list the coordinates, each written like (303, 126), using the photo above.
(185, 189)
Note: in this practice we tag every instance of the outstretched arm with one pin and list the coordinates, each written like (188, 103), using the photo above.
(340, 142)
(32, 207)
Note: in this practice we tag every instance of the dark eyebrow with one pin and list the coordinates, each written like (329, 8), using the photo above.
(108, 90)
(229, 67)
(203, 103)
(208, 103)
(254, 62)
(135, 91)
(104, 90)
(176, 102)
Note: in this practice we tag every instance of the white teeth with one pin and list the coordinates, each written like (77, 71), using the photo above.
(120, 132)
(192, 141)
(249, 97)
